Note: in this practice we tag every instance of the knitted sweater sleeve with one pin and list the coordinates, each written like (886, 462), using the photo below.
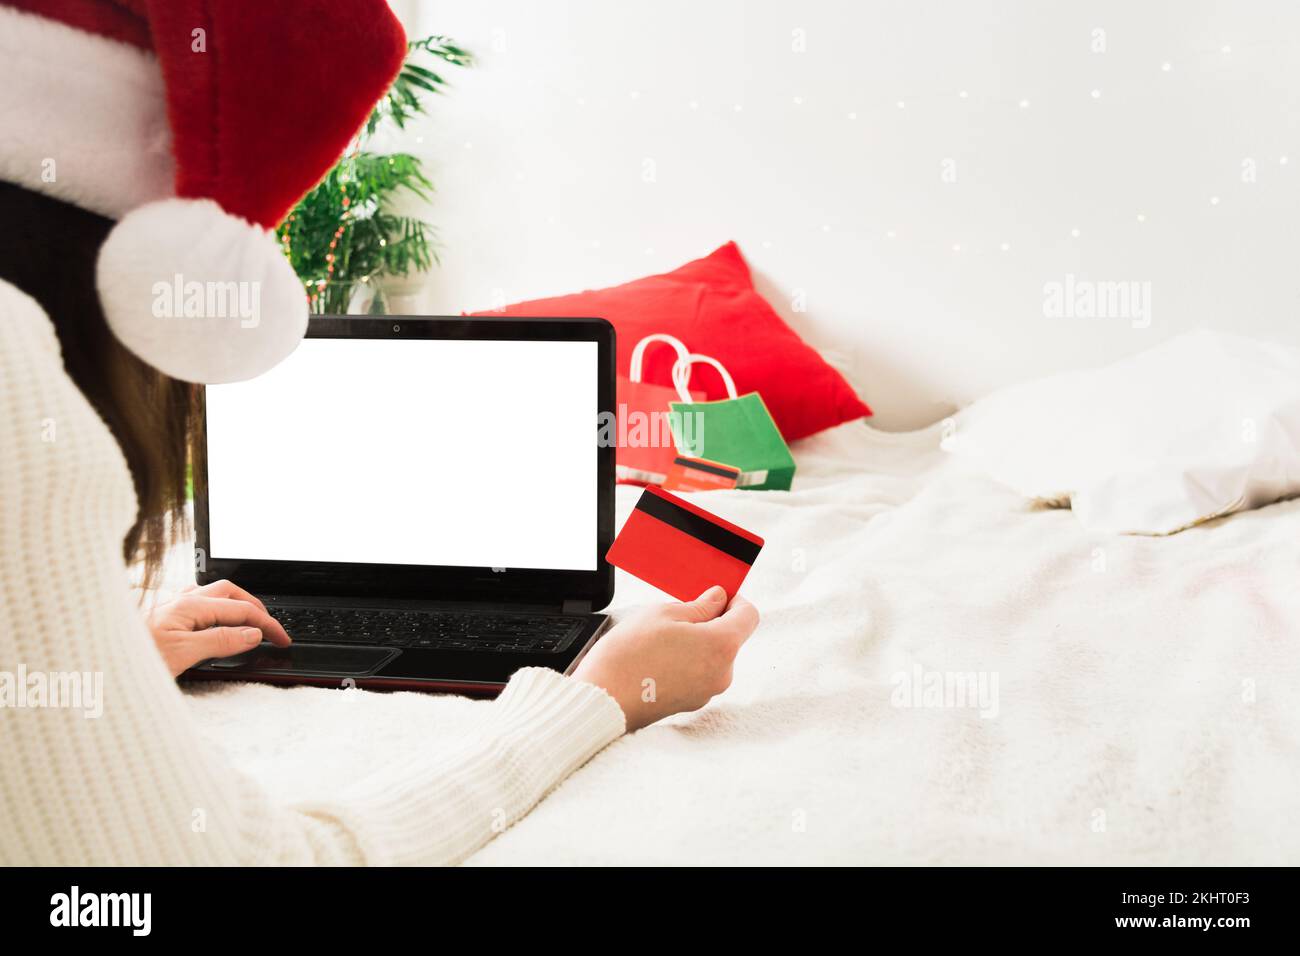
(123, 776)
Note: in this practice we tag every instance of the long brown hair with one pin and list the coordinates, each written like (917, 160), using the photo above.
(48, 249)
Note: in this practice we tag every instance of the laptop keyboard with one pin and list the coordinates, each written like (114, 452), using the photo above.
(430, 629)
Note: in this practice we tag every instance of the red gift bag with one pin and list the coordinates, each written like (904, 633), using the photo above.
(646, 446)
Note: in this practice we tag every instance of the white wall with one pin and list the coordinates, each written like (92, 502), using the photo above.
(807, 160)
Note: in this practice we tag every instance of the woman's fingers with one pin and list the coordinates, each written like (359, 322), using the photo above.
(736, 623)
(704, 608)
(225, 589)
(212, 611)
(223, 642)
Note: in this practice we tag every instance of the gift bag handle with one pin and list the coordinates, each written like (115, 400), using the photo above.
(682, 375)
(638, 353)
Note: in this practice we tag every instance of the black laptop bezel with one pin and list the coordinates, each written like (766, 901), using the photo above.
(591, 590)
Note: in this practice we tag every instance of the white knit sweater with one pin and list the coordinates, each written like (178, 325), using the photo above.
(137, 784)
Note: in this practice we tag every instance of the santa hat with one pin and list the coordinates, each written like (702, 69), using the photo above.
(197, 124)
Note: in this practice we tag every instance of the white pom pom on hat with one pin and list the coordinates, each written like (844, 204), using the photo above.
(201, 295)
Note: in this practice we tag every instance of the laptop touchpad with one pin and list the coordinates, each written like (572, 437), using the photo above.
(304, 660)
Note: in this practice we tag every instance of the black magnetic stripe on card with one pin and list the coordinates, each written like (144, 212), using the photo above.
(711, 469)
(728, 542)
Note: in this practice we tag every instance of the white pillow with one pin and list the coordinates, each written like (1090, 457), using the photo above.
(1202, 425)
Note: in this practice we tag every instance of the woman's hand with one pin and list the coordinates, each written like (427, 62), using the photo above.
(671, 658)
(216, 620)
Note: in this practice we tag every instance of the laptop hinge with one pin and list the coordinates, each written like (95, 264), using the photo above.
(572, 606)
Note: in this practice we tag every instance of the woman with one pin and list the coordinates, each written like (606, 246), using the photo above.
(93, 451)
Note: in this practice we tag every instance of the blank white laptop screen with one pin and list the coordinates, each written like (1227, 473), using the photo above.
(468, 453)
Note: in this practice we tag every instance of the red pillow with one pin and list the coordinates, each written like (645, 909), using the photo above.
(710, 304)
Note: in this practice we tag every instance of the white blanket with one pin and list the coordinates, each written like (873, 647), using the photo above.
(1141, 696)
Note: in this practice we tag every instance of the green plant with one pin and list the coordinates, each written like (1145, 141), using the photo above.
(342, 233)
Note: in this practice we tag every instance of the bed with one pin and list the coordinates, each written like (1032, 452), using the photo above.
(946, 673)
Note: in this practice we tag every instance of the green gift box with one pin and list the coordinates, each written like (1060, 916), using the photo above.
(737, 431)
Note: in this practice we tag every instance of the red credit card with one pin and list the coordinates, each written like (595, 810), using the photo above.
(699, 474)
(682, 549)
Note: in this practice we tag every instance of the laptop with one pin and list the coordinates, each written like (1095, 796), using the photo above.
(424, 503)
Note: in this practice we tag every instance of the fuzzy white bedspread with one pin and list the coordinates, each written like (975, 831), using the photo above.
(943, 674)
